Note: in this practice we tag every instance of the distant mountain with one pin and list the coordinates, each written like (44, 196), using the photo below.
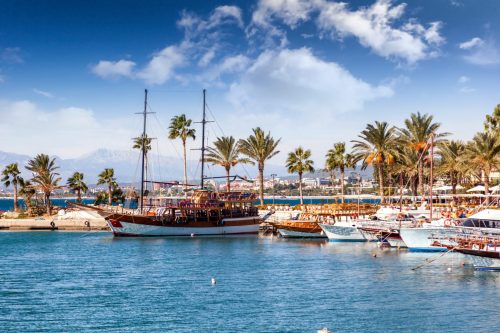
(127, 166)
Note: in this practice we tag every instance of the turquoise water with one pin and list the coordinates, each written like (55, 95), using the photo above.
(8, 204)
(78, 282)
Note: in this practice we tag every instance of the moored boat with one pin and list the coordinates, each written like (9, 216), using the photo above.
(343, 231)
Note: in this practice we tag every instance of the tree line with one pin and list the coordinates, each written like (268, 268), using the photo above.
(398, 156)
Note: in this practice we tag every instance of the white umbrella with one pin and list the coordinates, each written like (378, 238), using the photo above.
(479, 188)
(495, 189)
(447, 188)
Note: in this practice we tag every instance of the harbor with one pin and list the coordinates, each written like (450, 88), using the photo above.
(250, 166)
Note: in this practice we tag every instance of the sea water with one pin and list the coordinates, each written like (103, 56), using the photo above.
(8, 204)
(87, 282)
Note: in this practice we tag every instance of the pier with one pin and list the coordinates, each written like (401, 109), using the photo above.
(54, 224)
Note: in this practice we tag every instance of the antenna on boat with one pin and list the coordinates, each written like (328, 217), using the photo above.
(143, 149)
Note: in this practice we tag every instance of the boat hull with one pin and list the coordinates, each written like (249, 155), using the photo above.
(420, 239)
(286, 233)
(228, 227)
(343, 233)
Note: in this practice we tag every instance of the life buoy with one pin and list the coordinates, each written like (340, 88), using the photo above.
(52, 224)
(447, 223)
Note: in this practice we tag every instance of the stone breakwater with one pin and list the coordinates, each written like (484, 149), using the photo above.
(76, 224)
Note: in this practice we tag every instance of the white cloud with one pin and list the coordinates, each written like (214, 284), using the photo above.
(161, 67)
(456, 3)
(113, 69)
(374, 26)
(463, 79)
(206, 58)
(297, 82)
(299, 97)
(228, 65)
(67, 132)
(43, 93)
(222, 13)
(292, 12)
(474, 42)
(481, 52)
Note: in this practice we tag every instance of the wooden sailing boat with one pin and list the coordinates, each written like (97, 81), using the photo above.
(204, 213)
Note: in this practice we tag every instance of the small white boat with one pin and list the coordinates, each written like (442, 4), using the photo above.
(343, 231)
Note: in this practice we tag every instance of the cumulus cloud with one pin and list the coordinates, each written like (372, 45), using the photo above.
(200, 44)
(67, 131)
(297, 82)
(376, 26)
(162, 65)
(113, 69)
(463, 79)
(481, 52)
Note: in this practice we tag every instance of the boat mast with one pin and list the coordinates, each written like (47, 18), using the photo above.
(431, 180)
(143, 148)
(203, 122)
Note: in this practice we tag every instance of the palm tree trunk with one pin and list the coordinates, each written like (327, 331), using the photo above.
(342, 175)
(453, 184)
(421, 177)
(381, 182)
(185, 165)
(47, 203)
(300, 189)
(228, 183)
(487, 186)
(261, 180)
(332, 177)
(16, 207)
(110, 199)
(79, 195)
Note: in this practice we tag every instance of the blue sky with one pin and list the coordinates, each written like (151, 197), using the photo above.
(72, 73)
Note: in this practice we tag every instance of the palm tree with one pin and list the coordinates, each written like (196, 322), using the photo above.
(180, 128)
(403, 169)
(11, 176)
(419, 128)
(226, 154)
(76, 184)
(377, 147)
(108, 177)
(336, 158)
(260, 147)
(45, 177)
(451, 162)
(298, 162)
(143, 141)
(492, 122)
(483, 152)
(27, 192)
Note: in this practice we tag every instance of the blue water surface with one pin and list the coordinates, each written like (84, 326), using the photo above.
(8, 204)
(88, 282)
